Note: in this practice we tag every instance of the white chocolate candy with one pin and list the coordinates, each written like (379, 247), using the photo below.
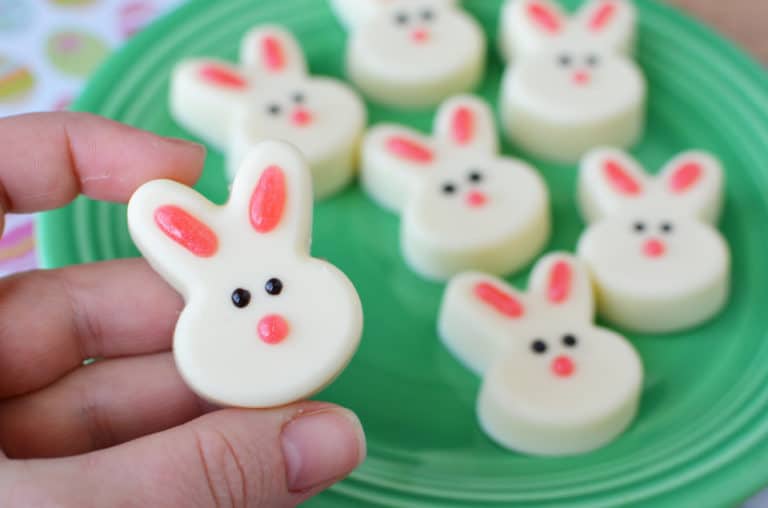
(271, 96)
(571, 84)
(553, 382)
(464, 206)
(658, 263)
(412, 53)
(264, 324)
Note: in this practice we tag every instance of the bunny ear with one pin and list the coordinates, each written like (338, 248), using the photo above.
(272, 195)
(467, 122)
(205, 94)
(504, 302)
(611, 21)
(272, 51)
(395, 160)
(187, 230)
(694, 181)
(476, 317)
(170, 225)
(609, 178)
(565, 284)
(528, 24)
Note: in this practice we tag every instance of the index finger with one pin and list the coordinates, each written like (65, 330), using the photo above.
(50, 158)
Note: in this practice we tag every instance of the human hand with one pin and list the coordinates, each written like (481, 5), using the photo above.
(126, 431)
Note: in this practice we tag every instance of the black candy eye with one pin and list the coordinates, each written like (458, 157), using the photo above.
(539, 347)
(667, 227)
(427, 14)
(593, 60)
(449, 188)
(299, 98)
(565, 60)
(273, 287)
(401, 18)
(241, 298)
(274, 109)
(638, 227)
(475, 176)
(570, 340)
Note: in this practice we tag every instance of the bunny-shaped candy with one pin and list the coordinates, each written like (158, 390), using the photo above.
(464, 207)
(264, 323)
(553, 382)
(571, 84)
(658, 263)
(272, 96)
(412, 53)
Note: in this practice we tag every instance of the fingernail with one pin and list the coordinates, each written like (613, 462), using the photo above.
(184, 143)
(322, 447)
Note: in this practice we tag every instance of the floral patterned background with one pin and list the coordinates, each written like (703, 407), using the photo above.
(48, 48)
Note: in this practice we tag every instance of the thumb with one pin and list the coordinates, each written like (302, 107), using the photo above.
(266, 458)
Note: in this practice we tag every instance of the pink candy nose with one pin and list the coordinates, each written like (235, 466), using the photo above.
(654, 248)
(301, 117)
(273, 329)
(420, 35)
(476, 199)
(581, 77)
(563, 366)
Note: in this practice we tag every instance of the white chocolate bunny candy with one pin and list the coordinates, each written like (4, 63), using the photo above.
(264, 324)
(658, 263)
(412, 53)
(464, 206)
(571, 84)
(553, 382)
(272, 96)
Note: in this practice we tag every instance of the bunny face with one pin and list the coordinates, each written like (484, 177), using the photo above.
(657, 262)
(272, 96)
(464, 207)
(320, 117)
(468, 202)
(571, 84)
(578, 82)
(414, 52)
(554, 383)
(256, 303)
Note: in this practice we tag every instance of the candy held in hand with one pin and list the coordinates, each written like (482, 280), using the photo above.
(464, 206)
(272, 96)
(658, 263)
(412, 53)
(264, 324)
(571, 84)
(553, 382)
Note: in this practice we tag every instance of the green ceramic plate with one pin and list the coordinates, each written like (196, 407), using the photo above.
(701, 438)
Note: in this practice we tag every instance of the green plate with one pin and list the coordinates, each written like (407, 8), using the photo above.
(701, 438)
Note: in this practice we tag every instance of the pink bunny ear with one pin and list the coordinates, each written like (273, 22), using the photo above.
(186, 230)
(560, 282)
(272, 50)
(221, 76)
(543, 16)
(602, 16)
(409, 149)
(268, 200)
(500, 300)
(463, 125)
(621, 179)
(272, 54)
(685, 176)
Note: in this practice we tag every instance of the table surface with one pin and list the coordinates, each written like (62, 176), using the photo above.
(743, 21)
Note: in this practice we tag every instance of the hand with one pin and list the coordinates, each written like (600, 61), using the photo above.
(126, 431)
